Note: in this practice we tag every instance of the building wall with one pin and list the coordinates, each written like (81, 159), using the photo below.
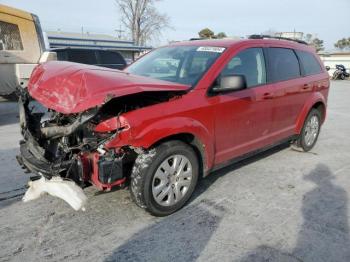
(335, 59)
(95, 41)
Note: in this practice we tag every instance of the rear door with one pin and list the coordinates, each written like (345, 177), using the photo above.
(289, 88)
(243, 118)
(312, 71)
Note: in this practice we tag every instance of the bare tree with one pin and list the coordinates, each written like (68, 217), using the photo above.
(142, 20)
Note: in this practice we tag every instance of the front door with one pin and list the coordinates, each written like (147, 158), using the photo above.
(243, 118)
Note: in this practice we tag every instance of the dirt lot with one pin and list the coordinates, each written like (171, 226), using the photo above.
(282, 205)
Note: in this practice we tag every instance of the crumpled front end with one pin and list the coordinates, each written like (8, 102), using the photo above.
(73, 145)
(67, 145)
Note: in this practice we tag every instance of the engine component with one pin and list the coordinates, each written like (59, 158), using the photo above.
(110, 169)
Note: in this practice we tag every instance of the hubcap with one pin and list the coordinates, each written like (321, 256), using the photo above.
(311, 130)
(172, 180)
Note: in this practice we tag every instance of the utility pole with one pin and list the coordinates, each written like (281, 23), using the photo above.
(119, 32)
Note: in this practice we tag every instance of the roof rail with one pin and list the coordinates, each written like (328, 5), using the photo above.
(277, 37)
(197, 38)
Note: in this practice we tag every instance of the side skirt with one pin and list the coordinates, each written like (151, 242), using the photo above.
(250, 154)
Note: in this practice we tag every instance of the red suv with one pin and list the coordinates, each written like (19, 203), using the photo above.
(177, 113)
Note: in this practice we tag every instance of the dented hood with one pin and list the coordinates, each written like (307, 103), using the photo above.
(71, 88)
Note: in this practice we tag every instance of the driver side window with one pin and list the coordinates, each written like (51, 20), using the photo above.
(250, 63)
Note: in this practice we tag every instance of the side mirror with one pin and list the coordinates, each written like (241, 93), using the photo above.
(328, 68)
(230, 83)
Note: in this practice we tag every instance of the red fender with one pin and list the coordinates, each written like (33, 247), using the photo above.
(145, 135)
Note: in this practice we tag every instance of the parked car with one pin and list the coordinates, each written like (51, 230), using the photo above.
(217, 102)
(104, 58)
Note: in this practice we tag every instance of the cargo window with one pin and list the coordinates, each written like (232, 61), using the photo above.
(309, 63)
(10, 38)
(111, 58)
(283, 63)
(249, 63)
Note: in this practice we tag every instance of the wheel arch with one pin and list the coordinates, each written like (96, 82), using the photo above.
(318, 102)
(196, 145)
(321, 107)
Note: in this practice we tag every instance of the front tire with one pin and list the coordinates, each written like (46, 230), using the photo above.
(164, 178)
(311, 130)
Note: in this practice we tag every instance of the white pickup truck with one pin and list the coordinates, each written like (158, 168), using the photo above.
(22, 47)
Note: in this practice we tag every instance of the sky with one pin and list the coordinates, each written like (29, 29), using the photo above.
(328, 20)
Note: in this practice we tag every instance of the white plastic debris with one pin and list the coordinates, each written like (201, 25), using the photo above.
(56, 186)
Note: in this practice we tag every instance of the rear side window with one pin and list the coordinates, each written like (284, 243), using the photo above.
(10, 38)
(283, 63)
(83, 56)
(309, 63)
(110, 58)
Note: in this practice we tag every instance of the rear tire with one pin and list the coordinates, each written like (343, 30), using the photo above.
(164, 178)
(310, 131)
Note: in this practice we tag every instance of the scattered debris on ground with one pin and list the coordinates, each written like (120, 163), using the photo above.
(56, 186)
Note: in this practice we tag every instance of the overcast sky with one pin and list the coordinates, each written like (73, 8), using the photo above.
(329, 20)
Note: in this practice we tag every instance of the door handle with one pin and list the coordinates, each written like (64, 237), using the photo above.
(306, 86)
(268, 96)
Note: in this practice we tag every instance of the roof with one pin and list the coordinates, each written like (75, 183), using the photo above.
(75, 48)
(97, 41)
(15, 12)
(87, 36)
(233, 42)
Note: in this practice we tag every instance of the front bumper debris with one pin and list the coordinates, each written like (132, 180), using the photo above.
(28, 161)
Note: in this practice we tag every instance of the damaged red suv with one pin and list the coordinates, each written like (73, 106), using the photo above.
(176, 114)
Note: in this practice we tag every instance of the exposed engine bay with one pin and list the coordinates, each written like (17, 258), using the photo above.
(67, 145)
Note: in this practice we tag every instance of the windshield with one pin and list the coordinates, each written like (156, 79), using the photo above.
(179, 64)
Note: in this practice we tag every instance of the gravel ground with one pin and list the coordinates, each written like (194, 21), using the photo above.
(282, 205)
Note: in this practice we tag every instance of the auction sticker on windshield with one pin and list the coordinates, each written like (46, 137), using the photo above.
(211, 49)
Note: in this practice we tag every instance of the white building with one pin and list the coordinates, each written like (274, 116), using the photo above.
(128, 49)
(335, 58)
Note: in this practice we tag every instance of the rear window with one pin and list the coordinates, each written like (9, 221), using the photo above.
(10, 38)
(83, 56)
(309, 63)
(111, 58)
(62, 55)
(283, 63)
